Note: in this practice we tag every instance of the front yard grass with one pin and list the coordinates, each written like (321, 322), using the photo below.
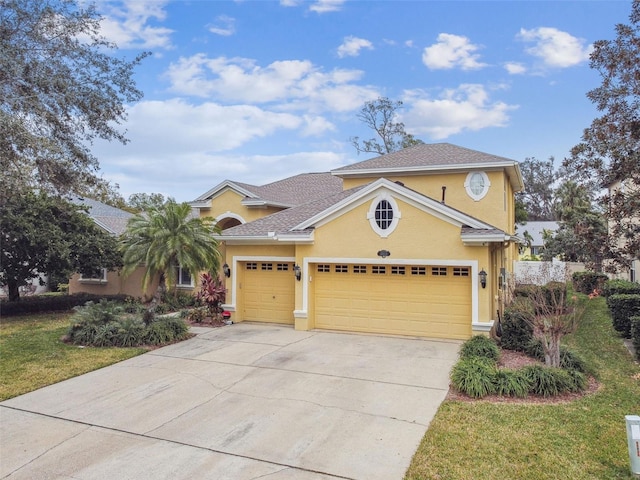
(583, 439)
(32, 354)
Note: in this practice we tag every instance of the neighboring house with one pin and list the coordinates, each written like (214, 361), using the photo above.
(630, 188)
(113, 221)
(417, 242)
(533, 235)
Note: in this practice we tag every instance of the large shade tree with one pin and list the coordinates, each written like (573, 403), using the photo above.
(537, 198)
(60, 89)
(41, 234)
(162, 239)
(609, 152)
(381, 116)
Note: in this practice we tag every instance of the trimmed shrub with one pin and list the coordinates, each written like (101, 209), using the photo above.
(618, 287)
(51, 303)
(622, 307)
(512, 383)
(587, 282)
(480, 346)
(517, 330)
(474, 376)
(548, 381)
(635, 334)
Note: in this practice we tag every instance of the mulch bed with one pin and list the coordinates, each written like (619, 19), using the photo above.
(514, 360)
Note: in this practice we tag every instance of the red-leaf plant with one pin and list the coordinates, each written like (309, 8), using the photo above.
(212, 293)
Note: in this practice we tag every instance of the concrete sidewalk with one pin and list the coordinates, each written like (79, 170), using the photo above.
(237, 402)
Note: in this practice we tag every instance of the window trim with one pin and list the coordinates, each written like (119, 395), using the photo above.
(100, 280)
(371, 215)
(467, 185)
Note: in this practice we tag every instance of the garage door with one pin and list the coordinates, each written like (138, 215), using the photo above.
(432, 301)
(267, 291)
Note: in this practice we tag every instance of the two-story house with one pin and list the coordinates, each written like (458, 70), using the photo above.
(417, 242)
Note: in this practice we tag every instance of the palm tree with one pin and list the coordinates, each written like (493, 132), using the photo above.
(167, 237)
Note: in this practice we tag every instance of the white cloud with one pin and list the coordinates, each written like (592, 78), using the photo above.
(127, 24)
(293, 84)
(324, 6)
(290, 3)
(452, 51)
(352, 45)
(224, 25)
(467, 107)
(515, 68)
(554, 47)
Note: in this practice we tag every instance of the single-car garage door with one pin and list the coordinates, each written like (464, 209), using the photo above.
(268, 292)
(432, 301)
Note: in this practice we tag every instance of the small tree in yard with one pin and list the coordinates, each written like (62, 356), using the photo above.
(553, 314)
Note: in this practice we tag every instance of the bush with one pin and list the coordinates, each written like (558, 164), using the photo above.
(618, 287)
(517, 330)
(548, 381)
(635, 334)
(106, 324)
(535, 349)
(480, 346)
(178, 300)
(578, 381)
(572, 361)
(51, 303)
(622, 307)
(512, 383)
(474, 376)
(587, 282)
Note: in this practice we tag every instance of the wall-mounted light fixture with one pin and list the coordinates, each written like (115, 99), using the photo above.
(384, 253)
(226, 270)
(483, 278)
(297, 272)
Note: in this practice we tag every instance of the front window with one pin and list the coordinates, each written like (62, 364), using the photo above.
(183, 278)
(477, 185)
(384, 214)
(98, 276)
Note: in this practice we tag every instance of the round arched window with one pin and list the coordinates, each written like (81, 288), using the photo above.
(477, 185)
(384, 214)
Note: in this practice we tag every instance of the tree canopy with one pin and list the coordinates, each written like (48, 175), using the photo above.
(44, 234)
(60, 90)
(537, 198)
(380, 115)
(609, 152)
(167, 237)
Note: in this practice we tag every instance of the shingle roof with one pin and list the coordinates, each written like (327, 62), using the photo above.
(300, 189)
(284, 221)
(112, 219)
(426, 155)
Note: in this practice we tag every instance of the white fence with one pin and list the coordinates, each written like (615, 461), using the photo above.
(541, 273)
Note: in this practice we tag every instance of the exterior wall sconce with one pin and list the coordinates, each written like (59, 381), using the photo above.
(297, 272)
(384, 253)
(483, 278)
(226, 270)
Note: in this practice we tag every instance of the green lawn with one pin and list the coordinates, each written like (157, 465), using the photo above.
(32, 354)
(584, 439)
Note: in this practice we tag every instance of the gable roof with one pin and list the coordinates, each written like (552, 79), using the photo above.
(298, 223)
(285, 193)
(111, 219)
(434, 157)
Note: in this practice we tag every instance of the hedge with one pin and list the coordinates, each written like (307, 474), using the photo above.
(517, 330)
(635, 334)
(622, 307)
(51, 303)
(617, 287)
(588, 282)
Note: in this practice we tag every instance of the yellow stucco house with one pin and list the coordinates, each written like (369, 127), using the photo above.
(417, 242)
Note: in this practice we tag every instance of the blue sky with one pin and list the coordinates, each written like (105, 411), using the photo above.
(255, 91)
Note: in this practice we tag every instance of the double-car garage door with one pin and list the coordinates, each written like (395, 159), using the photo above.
(423, 300)
(433, 301)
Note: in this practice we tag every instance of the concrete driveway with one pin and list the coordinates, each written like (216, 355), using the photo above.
(240, 402)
